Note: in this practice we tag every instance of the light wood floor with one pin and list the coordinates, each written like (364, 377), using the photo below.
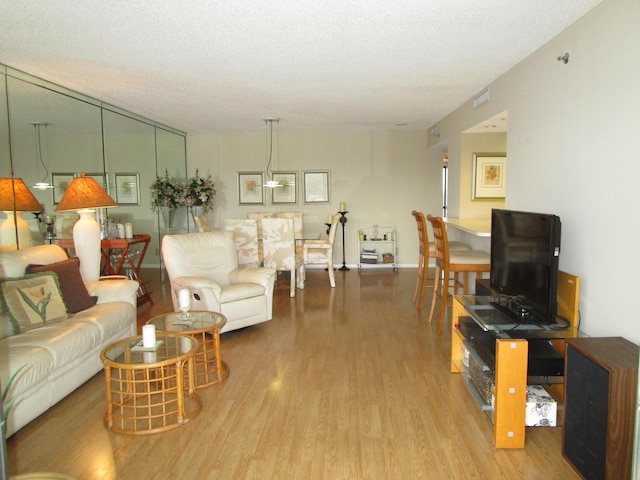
(344, 383)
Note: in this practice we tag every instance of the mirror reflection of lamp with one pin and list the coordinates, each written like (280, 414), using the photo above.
(84, 195)
(15, 198)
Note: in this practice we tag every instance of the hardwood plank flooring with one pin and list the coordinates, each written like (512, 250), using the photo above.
(344, 383)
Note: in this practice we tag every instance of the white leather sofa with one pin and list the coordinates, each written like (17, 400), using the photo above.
(62, 355)
(207, 263)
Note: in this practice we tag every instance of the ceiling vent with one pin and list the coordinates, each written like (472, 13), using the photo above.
(482, 98)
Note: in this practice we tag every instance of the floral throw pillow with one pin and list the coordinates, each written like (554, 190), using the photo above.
(32, 301)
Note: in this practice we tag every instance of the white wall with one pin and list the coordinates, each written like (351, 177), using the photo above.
(572, 151)
(381, 175)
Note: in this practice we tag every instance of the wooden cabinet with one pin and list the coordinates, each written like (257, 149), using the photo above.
(377, 247)
(600, 401)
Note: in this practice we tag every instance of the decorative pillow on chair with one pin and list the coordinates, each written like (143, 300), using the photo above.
(74, 291)
(32, 301)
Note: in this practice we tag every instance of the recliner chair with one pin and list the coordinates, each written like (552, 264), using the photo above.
(207, 263)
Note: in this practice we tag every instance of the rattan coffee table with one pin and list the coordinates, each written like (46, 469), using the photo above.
(148, 391)
(205, 328)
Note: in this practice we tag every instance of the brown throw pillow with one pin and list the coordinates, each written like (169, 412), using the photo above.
(74, 292)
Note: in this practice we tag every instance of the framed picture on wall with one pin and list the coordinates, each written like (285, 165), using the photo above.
(127, 188)
(288, 189)
(489, 170)
(316, 186)
(250, 188)
(60, 182)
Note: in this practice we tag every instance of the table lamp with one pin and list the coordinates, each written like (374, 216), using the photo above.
(24, 201)
(84, 195)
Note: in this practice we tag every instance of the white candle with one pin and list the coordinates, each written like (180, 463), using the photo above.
(148, 336)
(184, 298)
(343, 207)
(128, 230)
(329, 218)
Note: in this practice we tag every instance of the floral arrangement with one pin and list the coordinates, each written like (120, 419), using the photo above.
(198, 192)
(165, 192)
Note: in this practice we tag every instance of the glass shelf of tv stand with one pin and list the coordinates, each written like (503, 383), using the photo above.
(473, 303)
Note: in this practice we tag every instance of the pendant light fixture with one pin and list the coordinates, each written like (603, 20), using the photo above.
(42, 184)
(271, 183)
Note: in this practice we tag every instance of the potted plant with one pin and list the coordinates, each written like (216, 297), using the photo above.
(197, 194)
(165, 197)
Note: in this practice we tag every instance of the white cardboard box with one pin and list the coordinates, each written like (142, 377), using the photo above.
(542, 409)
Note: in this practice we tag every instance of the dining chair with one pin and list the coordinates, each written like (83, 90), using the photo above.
(259, 216)
(279, 250)
(320, 252)
(245, 234)
(202, 223)
(298, 227)
(448, 263)
(427, 250)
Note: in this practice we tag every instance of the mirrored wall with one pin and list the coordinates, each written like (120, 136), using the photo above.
(50, 134)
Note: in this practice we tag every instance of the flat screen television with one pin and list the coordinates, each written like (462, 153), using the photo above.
(525, 248)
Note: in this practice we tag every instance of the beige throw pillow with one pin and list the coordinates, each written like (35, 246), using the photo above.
(32, 301)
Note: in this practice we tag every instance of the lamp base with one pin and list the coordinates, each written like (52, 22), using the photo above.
(8, 230)
(86, 241)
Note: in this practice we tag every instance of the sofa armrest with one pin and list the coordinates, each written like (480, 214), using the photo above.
(116, 290)
(261, 275)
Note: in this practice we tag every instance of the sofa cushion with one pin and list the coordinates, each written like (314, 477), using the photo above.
(74, 292)
(32, 301)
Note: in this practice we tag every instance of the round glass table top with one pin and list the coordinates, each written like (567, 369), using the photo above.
(129, 351)
(176, 322)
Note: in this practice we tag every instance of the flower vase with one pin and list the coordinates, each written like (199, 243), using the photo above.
(196, 211)
(167, 216)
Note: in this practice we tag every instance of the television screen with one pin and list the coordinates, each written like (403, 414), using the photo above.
(525, 247)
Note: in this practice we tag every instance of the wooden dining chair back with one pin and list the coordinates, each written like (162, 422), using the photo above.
(450, 266)
(426, 250)
(202, 223)
(320, 252)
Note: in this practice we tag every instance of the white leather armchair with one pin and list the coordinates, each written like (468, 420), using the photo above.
(208, 264)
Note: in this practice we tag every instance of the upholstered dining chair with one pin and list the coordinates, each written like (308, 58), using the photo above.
(245, 234)
(207, 264)
(320, 252)
(279, 250)
(298, 226)
(259, 216)
(427, 250)
(448, 263)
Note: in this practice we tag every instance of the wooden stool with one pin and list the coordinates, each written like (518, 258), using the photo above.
(447, 262)
(427, 250)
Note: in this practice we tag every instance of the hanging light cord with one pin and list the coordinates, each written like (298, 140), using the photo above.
(46, 170)
(270, 135)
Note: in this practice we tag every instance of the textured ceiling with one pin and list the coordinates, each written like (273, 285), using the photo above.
(204, 65)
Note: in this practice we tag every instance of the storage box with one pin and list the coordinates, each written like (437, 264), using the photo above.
(541, 409)
(387, 257)
(368, 260)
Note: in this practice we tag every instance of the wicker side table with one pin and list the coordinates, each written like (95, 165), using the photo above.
(148, 391)
(205, 328)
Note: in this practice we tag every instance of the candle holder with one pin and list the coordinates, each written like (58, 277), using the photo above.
(328, 227)
(343, 221)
